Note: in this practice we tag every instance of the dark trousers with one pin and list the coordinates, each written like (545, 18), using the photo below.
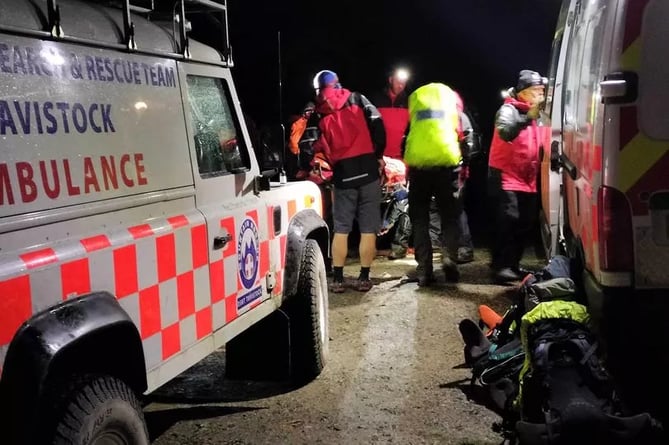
(465, 235)
(516, 216)
(442, 183)
(402, 232)
(395, 215)
(465, 242)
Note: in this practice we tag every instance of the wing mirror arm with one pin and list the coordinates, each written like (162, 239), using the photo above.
(261, 184)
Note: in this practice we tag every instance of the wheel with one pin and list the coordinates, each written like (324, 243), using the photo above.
(308, 316)
(99, 411)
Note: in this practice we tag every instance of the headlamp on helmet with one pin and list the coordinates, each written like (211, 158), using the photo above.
(401, 74)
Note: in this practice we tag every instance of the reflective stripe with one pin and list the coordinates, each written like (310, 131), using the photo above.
(353, 178)
(430, 114)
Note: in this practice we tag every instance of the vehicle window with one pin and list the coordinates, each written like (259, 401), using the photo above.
(572, 81)
(588, 101)
(552, 72)
(219, 145)
(586, 64)
(654, 72)
(555, 55)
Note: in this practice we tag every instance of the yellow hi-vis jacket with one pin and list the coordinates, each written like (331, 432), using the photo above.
(433, 135)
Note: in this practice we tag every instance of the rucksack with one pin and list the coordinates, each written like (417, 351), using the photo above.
(496, 358)
(566, 395)
(541, 368)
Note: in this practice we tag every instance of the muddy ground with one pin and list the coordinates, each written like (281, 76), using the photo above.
(394, 375)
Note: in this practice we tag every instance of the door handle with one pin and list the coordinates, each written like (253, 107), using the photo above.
(221, 240)
(556, 162)
(569, 167)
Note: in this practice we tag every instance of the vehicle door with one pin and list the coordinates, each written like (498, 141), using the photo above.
(223, 171)
(551, 216)
(583, 123)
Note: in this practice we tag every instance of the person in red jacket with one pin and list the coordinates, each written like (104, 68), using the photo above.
(352, 137)
(393, 105)
(513, 170)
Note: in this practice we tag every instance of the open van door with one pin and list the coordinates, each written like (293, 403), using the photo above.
(551, 214)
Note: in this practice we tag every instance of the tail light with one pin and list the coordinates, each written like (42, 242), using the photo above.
(616, 246)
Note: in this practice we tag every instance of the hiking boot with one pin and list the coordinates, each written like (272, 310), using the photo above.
(363, 285)
(507, 275)
(464, 255)
(337, 287)
(397, 254)
(450, 270)
(425, 280)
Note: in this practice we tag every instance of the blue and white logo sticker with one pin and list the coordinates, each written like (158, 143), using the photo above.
(247, 253)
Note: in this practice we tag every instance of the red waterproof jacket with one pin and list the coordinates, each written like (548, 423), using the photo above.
(515, 147)
(352, 136)
(395, 113)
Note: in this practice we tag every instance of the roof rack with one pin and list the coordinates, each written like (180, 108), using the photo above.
(206, 7)
(178, 14)
(54, 18)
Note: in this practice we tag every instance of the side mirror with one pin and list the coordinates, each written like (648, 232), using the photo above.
(269, 147)
(619, 87)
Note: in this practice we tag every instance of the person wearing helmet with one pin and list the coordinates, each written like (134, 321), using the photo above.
(303, 134)
(352, 138)
(513, 170)
(393, 105)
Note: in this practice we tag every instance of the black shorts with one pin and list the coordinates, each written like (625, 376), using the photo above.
(362, 203)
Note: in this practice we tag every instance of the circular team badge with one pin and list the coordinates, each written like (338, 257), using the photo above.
(247, 253)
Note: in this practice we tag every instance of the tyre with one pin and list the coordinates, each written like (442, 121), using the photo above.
(308, 315)
(99, 411)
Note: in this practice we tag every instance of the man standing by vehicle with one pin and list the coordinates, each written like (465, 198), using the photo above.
(353, 139)
(513, 170)
(432, 153)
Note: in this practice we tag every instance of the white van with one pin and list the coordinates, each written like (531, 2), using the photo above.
(605, 186)
(137, 232)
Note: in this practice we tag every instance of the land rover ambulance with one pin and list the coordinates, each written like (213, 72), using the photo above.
(137, 232)
(605, 171)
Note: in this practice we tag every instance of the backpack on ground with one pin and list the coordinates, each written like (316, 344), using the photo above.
(566, 395)
(541, 368)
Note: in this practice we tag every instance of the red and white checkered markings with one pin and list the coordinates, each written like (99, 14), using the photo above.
(145, 267)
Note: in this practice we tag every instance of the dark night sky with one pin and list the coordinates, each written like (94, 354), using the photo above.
(475, 46)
